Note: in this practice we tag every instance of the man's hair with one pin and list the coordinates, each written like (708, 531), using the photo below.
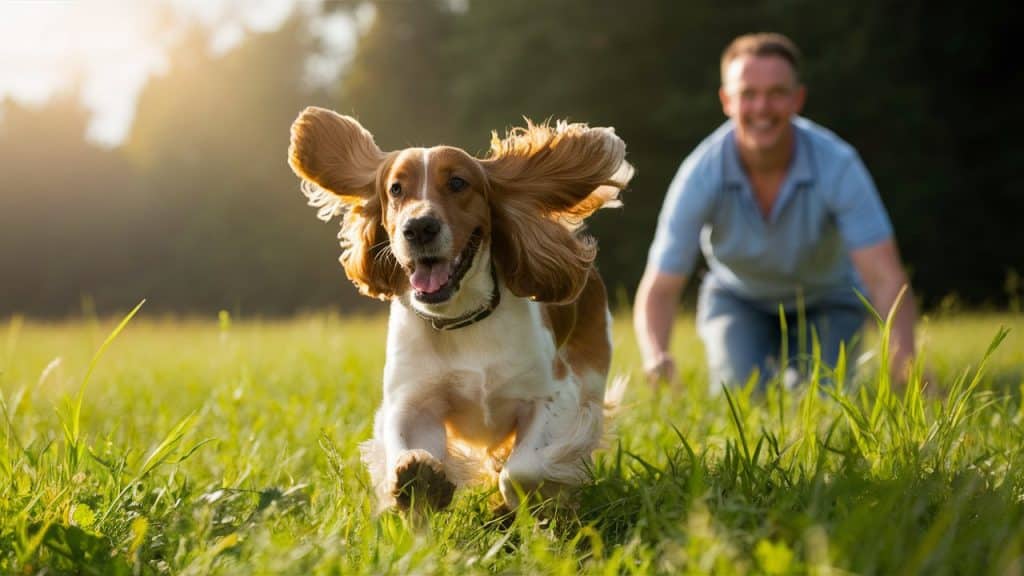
(762, 44)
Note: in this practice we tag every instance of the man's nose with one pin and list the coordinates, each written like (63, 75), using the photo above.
(758, 102)
(421, 231)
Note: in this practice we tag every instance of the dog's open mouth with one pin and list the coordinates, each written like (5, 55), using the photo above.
(435, 280)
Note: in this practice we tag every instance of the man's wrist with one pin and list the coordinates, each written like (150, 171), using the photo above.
(657, 360)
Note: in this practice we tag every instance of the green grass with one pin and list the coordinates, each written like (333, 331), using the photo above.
(196, 447)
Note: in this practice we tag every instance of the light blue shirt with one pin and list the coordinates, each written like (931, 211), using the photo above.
(827, 206)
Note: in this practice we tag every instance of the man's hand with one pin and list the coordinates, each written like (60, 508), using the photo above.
(662, 370)
(653, 314)
(901, 374)
(882, 271)
(901, 365)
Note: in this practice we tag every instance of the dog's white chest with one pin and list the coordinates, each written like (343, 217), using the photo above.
(508, 356)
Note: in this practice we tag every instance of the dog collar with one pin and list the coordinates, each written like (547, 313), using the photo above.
(442, 323)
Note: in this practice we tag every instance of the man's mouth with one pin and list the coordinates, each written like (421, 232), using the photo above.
(761, 126)
(435, 280)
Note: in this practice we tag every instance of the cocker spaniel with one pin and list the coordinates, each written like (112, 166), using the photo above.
(498, 345)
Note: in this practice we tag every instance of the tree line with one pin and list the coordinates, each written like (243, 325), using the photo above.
(197, 210)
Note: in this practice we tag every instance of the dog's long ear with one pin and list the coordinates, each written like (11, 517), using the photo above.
(340, 164)
(545, 180)
(334, 152)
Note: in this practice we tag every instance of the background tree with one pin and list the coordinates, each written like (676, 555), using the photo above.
(198, 211)
(65, 207)
(229, 228)
(398, 84)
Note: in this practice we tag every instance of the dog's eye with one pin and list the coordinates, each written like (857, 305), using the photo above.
(455, 183)
(395, 190)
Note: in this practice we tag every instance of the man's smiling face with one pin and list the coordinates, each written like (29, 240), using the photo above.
(761, 94)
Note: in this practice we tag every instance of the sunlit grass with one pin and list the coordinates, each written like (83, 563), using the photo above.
(227, 446)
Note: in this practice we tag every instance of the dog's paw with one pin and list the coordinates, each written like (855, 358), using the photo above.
(420, 481)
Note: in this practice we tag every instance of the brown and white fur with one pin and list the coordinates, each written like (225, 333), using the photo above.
(519, 392)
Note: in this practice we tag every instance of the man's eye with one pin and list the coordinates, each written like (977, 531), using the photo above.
(455, 183)
(396, 189)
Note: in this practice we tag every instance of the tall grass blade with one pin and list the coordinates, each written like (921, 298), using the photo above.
(74, 434)
(156, 457)
(739, 424)
(783, 342)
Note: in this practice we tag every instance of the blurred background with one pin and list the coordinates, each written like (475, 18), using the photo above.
(143, 142)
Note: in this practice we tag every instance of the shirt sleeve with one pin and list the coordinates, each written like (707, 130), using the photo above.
(683, 214)
(860, 215)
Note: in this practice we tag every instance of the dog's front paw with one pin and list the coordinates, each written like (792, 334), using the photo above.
(420, 481)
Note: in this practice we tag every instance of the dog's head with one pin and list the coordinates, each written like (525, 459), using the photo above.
(429, 221)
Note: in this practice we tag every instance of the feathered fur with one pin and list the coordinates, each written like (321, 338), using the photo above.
(519, 395)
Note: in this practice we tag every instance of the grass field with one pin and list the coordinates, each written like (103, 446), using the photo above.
(197, 447)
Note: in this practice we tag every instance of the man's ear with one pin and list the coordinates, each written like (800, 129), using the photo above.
(801, 98)
(723, 97)
(335, 153)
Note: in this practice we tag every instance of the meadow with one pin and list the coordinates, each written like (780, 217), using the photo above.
(227, 446)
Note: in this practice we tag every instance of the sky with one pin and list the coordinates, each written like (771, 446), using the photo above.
(110, 48)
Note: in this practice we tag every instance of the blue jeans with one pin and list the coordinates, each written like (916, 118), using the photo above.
(741, 335)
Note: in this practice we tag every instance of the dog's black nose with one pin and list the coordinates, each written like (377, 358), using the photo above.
(421, 231)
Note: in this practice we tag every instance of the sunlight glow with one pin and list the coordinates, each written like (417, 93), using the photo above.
(106, 50)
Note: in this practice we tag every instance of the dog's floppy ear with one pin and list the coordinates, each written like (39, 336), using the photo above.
(545, 180)
(334, 152)
(339, 164)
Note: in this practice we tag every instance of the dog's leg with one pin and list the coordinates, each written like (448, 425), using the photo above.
(415, 444)
(554, 440)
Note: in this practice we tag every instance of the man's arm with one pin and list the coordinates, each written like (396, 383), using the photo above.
(880, 267)
(654, 312)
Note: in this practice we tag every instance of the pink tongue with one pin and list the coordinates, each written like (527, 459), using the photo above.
(429, 278)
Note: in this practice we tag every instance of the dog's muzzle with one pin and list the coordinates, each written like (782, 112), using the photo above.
(435, 280)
